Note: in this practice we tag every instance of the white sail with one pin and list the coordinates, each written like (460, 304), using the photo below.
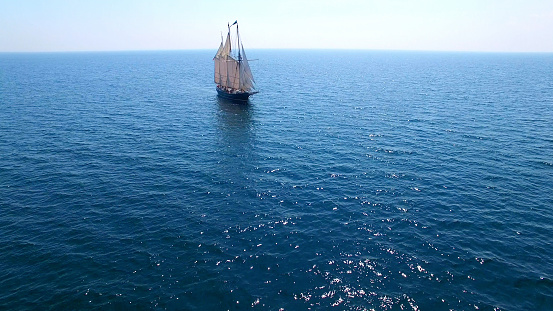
(233, 68)
(247, 81)
(227, 48)
(217, 62)
(220, 50)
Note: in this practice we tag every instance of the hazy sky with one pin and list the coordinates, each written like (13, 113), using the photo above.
(443, 25)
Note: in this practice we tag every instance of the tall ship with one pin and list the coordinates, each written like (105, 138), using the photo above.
(233, 75)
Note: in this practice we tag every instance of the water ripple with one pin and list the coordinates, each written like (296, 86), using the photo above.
(386, 181)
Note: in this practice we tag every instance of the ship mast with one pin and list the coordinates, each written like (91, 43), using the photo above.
(230, 52)
(238, 45)
(230, 49)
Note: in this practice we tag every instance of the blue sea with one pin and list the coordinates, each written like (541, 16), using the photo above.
(355, 180)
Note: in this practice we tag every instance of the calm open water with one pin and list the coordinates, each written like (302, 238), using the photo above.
(360, 180)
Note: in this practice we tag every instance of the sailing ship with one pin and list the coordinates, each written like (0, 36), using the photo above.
(233, 76)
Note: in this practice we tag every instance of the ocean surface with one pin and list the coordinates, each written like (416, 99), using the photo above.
(354, 180)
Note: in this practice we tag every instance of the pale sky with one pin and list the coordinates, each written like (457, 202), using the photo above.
(434, 25)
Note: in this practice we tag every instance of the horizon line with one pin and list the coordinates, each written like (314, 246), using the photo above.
(281, 49)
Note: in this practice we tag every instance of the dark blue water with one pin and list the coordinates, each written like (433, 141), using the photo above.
(360, 180)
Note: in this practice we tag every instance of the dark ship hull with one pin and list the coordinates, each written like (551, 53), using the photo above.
(235, 96)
